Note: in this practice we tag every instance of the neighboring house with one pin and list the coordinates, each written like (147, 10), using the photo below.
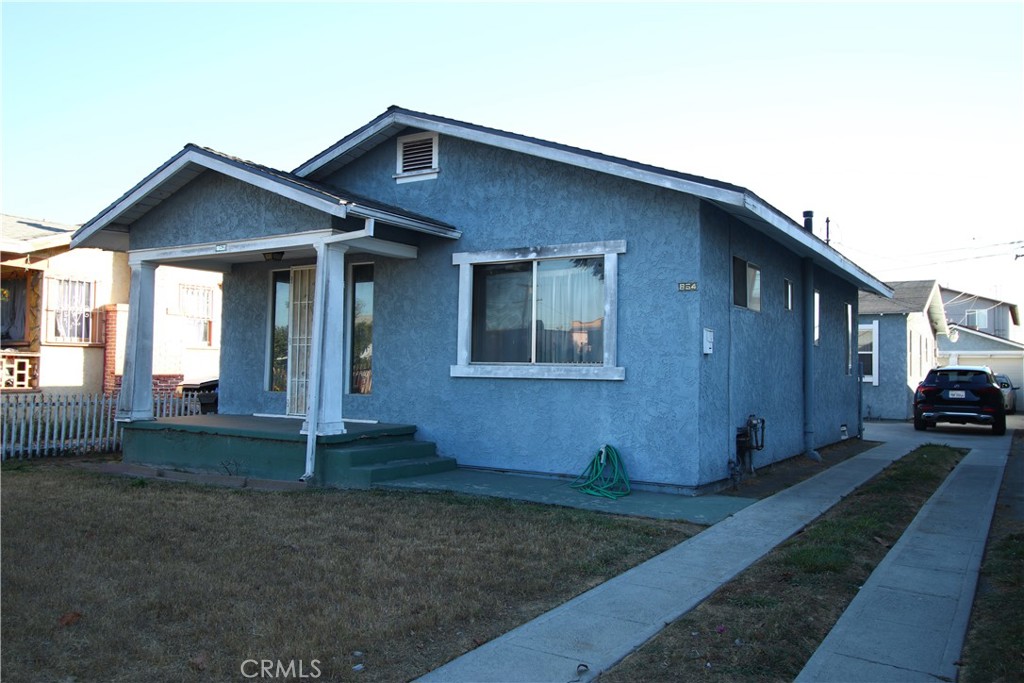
(983, 331)
(897, 342)
(64, 314)
(991, 316)
(519, 302)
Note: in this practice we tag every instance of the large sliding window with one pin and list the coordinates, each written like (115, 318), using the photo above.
(545, 312)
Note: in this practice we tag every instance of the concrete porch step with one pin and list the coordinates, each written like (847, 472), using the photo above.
(376, 452)
(364, 476)
(375, 460)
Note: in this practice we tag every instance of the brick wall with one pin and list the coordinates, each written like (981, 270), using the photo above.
(111, 380)
(162, 384)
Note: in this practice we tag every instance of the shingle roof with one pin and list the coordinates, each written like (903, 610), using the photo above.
(26, 235)
(24, 229)
(909, 296)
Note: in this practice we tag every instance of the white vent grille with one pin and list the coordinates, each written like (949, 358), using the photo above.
(417, 157)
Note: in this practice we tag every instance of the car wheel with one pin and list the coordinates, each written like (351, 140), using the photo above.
(999, 426)
(920, 425)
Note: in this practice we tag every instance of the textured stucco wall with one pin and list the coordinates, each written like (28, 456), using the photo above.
(216, 208)
(889, 399)
(674, 416)
(836, 389)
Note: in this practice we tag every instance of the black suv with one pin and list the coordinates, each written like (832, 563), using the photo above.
(960, 394)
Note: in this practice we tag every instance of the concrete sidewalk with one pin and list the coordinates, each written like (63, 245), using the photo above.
(600, 627)
(909, 621)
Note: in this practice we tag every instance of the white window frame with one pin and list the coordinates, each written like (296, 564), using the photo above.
(403, 176)
(817, 318)
(980, 316)
(54, 287)
(195, 303)
(608, 370)
(850, 340)
(788, 293)
(752, 285)
(873, 328)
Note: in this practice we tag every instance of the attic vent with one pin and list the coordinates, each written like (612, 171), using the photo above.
(417, 157)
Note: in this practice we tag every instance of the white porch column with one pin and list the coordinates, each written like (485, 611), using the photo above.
(327, 358)
(136, 400)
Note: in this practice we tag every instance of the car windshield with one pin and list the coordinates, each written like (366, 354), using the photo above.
(943, 377)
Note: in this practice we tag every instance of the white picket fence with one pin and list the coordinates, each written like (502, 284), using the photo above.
(35, 425)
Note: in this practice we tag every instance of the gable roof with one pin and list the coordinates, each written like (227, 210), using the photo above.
(28, 235)
(735, 200)
(909, 296)
(109, 228)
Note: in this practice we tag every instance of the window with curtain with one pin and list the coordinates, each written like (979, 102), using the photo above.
(542, 312)
(13, 297)
(549, 311)
(69, 311)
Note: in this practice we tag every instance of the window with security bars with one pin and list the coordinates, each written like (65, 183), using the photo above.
(417, 157)
(70, 313)
(195, 302)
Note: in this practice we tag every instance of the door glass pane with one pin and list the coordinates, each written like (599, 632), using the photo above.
(362, 329)
(279, 317)
(300, 338)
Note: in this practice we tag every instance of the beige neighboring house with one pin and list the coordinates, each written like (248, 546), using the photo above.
(65, 311)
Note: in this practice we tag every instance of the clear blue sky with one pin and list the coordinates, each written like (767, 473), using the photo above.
(903, 123)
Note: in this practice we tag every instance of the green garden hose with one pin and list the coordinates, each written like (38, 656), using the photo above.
(605, 475)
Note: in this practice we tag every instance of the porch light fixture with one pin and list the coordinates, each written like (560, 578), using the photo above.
(273, 255)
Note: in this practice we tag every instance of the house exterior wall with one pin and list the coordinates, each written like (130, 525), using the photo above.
(675, 415)
(76, 367)
(907, 350)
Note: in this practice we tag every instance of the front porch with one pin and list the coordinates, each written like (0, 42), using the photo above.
(275, 448)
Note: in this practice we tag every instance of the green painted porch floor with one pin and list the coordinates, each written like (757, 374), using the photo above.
(274, 428)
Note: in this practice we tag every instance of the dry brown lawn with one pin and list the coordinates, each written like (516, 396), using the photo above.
(112, 579)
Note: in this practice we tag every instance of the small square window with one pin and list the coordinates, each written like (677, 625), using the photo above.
(746, 284)
(417, 157)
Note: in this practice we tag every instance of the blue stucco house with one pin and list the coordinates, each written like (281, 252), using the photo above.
(897, 344)
(517, 302)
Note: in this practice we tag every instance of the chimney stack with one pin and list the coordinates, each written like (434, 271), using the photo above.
(809, 221)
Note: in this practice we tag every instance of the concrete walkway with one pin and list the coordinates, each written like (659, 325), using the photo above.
(909, 620)
(594, 631)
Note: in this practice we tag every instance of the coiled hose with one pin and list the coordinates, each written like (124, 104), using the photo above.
(605, 476)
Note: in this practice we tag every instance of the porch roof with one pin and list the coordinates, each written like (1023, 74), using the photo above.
(109, 229)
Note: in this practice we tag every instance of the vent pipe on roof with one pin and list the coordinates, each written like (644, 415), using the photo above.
(809, 221)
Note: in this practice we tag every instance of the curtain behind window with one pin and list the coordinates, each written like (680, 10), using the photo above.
(12, 310)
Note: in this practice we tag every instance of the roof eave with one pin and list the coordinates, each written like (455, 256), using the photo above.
(758, 213)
